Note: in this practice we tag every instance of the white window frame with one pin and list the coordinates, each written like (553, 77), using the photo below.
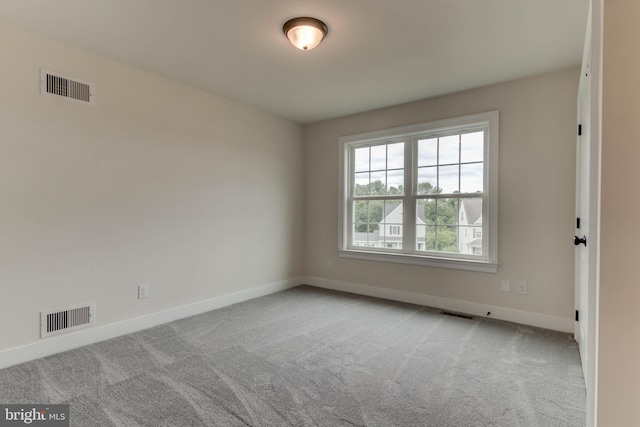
(488, 263)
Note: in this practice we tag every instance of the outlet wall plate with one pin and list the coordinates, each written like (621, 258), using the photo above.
(143, 291)
(522, 287)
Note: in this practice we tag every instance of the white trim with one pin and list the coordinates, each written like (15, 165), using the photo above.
(60, 343)
(596, 22)
(427, 261)
(462, 123)
(507, 314)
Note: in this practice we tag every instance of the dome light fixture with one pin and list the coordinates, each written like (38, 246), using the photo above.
(305, 33)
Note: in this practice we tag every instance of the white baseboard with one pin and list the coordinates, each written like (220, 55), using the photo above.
(515, 316)
(60, 343)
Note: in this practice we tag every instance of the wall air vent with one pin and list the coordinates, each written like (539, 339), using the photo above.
(54, 322)
(460, 315)
(59, 85)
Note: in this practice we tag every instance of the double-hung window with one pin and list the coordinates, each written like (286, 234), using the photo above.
(423, 194)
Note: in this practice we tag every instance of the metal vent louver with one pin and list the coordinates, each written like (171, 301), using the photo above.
(59, 85)
(454, 314)
(67, 319)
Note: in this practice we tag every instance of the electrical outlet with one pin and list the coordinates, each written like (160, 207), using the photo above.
(330, 264)
(522, 287)
(143, 291)
(505, 285)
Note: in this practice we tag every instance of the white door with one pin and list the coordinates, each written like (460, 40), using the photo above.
(587, 234)
(582, 222)
(586, 238)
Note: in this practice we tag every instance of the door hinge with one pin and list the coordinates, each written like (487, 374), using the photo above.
(577, 316)
(577, 222)
(579, 130)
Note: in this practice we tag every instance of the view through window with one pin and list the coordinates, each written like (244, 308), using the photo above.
(424, 190)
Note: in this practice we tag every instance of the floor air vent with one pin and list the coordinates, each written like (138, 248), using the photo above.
(59, 85)
(68, 319)
(462, 316)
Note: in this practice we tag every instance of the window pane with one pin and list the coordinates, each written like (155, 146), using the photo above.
(362, 184)
(471, 212)
(470, 240)
(426, 211)
(361, 215)
(379, 170)
(442, 225)
(472, 147)
(395, 182)
(428, 152)
(439, 239)
(359, 235)
(365, 237)
(367, 217)
(430, 239)
(421, 231)
(379, 157)
(362, 159)
(471, 221)
(448, 179)
(447, 239)
(359, 227)
(395, 156)
(367, 214)
(391, 229)
(378, 183)
(393, 212)
(449, 150)
(447, 211)
(427, 180)
(425, 214)
(471, 178)
(376, 213)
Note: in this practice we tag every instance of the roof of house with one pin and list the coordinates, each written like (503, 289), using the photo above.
(475, 243)
(392, 205)
(473, 210)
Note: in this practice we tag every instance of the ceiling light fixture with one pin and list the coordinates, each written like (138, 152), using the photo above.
(305, 33)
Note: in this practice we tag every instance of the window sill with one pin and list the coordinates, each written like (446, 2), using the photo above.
(457, 264)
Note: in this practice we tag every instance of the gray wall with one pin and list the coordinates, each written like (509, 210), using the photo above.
(619, 303)
(536, 191)
(158, 183)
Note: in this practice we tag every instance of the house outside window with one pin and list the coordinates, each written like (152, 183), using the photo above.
(423, 194)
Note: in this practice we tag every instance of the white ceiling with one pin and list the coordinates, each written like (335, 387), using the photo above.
(377, 53)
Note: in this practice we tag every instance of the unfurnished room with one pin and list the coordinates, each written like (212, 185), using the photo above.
(319, 213)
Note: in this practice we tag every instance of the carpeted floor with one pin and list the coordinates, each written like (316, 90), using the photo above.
(312, 357)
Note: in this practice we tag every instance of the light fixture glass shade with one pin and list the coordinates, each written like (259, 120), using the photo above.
(305, 33)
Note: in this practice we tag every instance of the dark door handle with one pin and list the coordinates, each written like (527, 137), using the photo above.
(577, 240)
